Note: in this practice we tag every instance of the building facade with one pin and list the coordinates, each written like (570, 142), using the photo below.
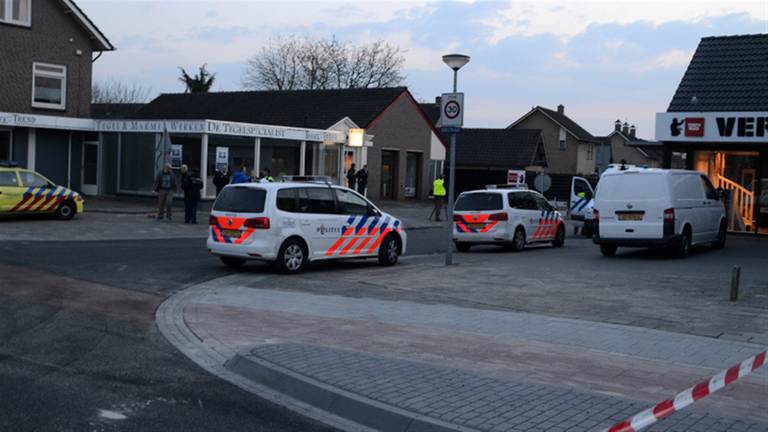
(623, 144)
(717, 123)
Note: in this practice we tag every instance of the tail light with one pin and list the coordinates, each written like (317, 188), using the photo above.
(499, 217)
(213, 220)
(595, 216)
(669, 215)
(257, 223)
(457, 218)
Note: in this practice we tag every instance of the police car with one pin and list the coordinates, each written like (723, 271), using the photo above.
(511, 216)
(293, 223)
(24, 191)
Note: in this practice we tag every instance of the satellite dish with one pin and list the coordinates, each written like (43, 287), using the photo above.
(542, 182)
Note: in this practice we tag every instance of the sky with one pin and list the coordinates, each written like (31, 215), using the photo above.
(603, 60)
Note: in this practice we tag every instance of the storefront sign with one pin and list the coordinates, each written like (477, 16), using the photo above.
(176, 150)
(712, 127)
(222, 158)
(43, 121)
(515, 177)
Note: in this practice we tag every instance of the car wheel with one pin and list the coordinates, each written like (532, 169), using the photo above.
(389, 250)
(608, 250)
(559, 240)
(683, 248)
(66, 210)
(518, 241)
(292, 257)
(720, 242)
(232, 262)
(462, 247)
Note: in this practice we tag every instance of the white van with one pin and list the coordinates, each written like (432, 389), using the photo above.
(651, 207)
(291, 224)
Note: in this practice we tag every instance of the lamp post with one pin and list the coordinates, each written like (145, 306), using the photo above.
(455, 62)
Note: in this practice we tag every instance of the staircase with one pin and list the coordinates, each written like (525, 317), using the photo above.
(742, 207)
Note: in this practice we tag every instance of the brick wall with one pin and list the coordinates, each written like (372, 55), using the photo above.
(401, 127)
(558, 161)
(53, 38)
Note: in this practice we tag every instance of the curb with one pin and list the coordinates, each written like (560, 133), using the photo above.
(356, 408)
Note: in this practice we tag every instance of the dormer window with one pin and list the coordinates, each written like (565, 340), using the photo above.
(17, 12)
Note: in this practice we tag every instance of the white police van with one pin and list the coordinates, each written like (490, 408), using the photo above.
(511, 216)
(291, 224)
(652, 207)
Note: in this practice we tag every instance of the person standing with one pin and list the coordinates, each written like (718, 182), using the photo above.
(268, 175)
(241, 176)
(362, 180)
(351, 177)
(165, 186)
(221, 179)
(438, 191)
(192, 185)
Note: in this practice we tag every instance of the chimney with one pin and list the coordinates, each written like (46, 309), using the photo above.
(617, 126)
(561, 109)
(625, 129)
(632, 131)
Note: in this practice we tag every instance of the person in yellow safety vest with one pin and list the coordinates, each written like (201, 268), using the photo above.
(438, 191)
(266, 176)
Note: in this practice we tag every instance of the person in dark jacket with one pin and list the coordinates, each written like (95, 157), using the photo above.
(165, 186)
(191, 185)
(362, 180)
(221, 179)
(351, 179)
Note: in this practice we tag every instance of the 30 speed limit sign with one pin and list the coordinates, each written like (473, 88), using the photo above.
(452, 110)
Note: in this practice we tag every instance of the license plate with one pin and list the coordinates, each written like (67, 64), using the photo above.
(476, 225)
(231, 233)
(630, 216)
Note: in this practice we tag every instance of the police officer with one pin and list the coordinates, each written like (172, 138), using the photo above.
(438, 191)
(267, 177)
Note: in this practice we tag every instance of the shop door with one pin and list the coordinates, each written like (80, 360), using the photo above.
(90, 180)
(762, 191)
(412, 174)
(389, 174)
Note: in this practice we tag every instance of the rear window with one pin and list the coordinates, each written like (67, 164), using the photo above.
(241, 200)
(480, 201)
(632, 186)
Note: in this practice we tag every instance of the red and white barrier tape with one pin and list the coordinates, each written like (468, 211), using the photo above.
(688, 397)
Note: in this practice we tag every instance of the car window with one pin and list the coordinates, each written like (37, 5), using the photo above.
(528, 202)
(686, 186)
(709, 190)
(30, 179)
(480, 201)
(241, 200)
(321, 200)
(541, 202)
(582, 189)
(350, 203)
(287, 200)
(8, 179)
(516, 200)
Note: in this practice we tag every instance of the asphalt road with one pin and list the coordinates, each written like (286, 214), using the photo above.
(79, 350)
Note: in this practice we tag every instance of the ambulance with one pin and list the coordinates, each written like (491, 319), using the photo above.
(511, 216)
(24, 191)
(293, 223)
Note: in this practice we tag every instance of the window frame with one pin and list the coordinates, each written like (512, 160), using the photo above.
(45, 74)
(9, 15)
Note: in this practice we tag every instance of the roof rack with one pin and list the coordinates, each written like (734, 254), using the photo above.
(307, 179)
(8, 164)
(507, 186)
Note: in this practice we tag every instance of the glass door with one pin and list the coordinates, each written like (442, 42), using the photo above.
(412, 174)
(389, 174)
(736, 173)
(90, 180)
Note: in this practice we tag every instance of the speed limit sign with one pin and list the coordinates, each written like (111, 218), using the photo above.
(452, 110)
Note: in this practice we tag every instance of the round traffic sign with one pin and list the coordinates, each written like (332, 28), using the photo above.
(452, 109)
(542, 182)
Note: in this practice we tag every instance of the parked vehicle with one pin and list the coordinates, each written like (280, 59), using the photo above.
(291, 224)
(24, 191)
(510, 216)
(581, 204)
(651, 207)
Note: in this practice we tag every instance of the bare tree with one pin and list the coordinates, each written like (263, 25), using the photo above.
(293, 63)
(113, 91)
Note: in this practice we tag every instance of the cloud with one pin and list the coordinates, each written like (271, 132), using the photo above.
(674, 58)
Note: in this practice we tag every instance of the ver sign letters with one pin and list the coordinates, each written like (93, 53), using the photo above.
(712, 126)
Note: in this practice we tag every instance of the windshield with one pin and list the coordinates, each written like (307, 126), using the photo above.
(479, 201)
(241, 200)
(632, 186)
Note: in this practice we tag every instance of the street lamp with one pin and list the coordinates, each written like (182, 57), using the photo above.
(455, 62)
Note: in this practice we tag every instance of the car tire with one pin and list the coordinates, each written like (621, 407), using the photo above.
(518, 240)
(462, 247)
(292, 257)
(66, 210)
(608, 250)
(232, 262)
(559, 240)
(389, 251)
(721, 233)
(683, 247)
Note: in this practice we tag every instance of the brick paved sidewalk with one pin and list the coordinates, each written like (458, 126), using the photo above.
(474, 401)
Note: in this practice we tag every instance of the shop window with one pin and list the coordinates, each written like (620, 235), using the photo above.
(5, 145)
(49, 86)
(16, 12)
